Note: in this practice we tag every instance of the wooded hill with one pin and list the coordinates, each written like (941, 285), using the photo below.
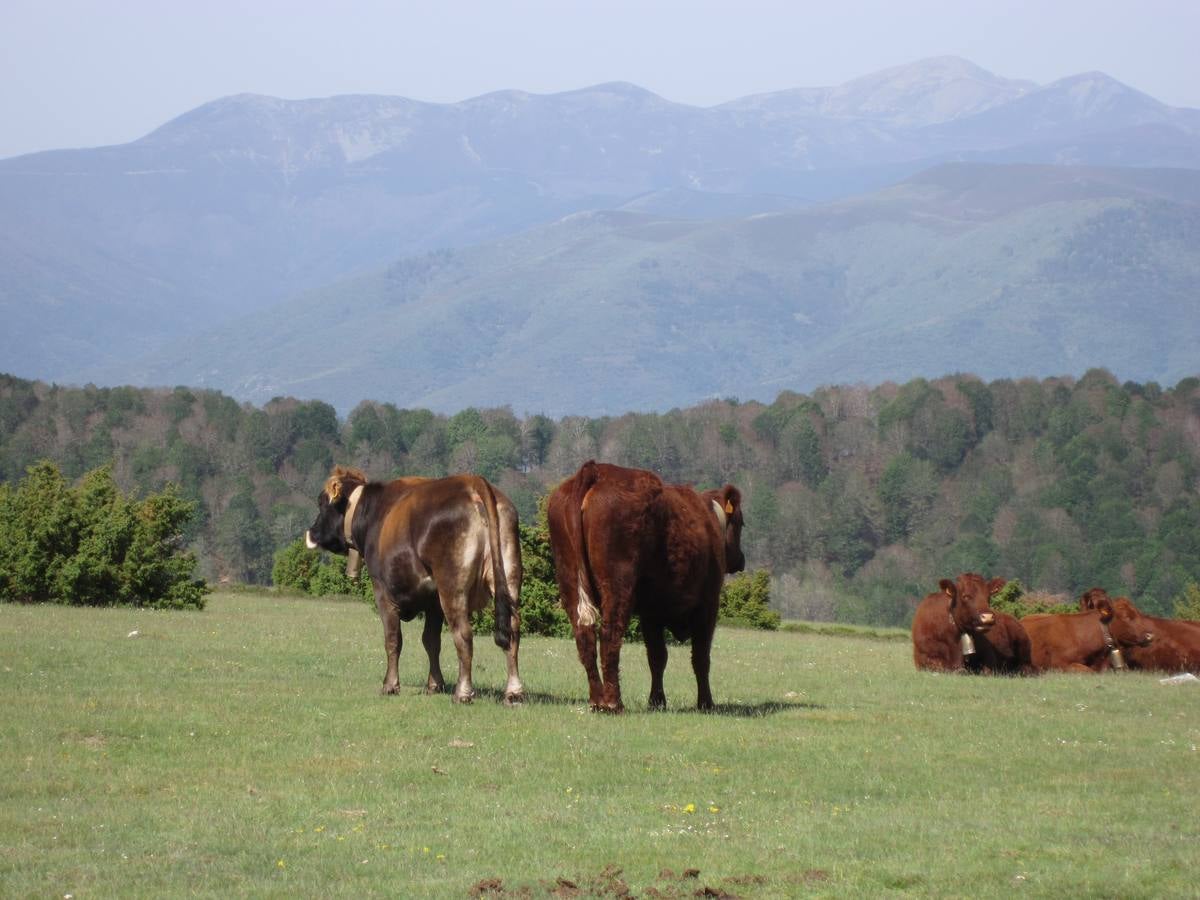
(858, 499)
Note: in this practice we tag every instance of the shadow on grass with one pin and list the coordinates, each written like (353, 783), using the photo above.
(496, 695)
(730, 710)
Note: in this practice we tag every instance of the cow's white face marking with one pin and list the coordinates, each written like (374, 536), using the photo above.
(308, 541)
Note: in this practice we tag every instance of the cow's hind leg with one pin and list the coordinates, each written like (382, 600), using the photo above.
(612, 635)
(393, 640)
(431, 638)
(514, 690)
(585, 644)
(459, 621)
(702, 638)
(656, 655)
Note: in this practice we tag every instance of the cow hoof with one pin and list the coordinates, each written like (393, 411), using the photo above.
(514, 699)
(613, 708)
(706, 707)
(389, 689)
(463, 698)
(435, 688)
(657, 702)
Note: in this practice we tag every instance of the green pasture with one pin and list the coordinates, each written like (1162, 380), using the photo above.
(244, 750)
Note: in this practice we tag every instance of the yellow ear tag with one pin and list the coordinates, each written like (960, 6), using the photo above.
(335, 491)
(728, 508)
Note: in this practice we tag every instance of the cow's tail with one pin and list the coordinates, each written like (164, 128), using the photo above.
(500, 592)
(586, 612)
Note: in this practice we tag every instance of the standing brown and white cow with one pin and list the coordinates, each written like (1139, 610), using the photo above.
(434, 546)
(624, 542)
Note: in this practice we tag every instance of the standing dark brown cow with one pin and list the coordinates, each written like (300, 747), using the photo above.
(1084, 641)
(962, 608)
(624, 542)
(434, 546)
(1176, 644)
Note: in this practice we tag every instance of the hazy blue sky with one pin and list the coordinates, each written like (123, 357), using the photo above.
(83, 73)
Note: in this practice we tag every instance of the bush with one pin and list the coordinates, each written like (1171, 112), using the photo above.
(1013, 599)
(1187, 604)
(745, 600)
(541, 612)
(317, 573)
(92, 546)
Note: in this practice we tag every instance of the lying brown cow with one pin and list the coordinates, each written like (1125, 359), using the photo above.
(961, 609)
(432, 546)
(1176, 647)
(1176, 644)
(1086, 641)
(1004, 649)
(624, 542)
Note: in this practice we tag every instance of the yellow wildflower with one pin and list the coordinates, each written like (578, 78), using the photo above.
(690, 808)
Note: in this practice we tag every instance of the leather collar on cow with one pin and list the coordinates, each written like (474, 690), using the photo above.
(1114, 652)
(353, 555)
(966, 642)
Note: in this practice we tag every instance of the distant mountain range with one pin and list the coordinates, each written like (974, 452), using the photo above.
(207, 251)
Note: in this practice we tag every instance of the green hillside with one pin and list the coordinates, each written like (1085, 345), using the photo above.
(994, 270)
(857, 499)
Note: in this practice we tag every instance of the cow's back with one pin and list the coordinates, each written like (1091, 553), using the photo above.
(1065, 641)
(935, 641)
(684, 563)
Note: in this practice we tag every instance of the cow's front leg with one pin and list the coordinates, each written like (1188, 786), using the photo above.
(389, 614)
(431, 638)
(656, 655)
(460, 630)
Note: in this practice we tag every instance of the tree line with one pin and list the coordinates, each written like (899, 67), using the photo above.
(857, 499)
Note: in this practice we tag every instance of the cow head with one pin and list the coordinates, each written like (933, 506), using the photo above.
(1126, 624)
(1093, 599)
(970, 601)
(727, 504)
(327, 531)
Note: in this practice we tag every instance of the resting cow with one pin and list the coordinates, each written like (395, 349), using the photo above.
(1086, 641)
(432, 546)
(626, 543)
(1176, 644)
(1003, 649)
(948, 624)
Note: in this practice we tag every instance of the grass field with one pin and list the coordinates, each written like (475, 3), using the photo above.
(245, 750)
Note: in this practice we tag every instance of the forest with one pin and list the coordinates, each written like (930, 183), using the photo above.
(857, 498)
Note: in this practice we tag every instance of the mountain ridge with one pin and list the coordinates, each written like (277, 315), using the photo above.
(1043, 259)
(236, 206)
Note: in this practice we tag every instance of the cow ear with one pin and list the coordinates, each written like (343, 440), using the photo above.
(947, 587)
(995, 585)
(732, 497)
(334, 490)
(1106, 612)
